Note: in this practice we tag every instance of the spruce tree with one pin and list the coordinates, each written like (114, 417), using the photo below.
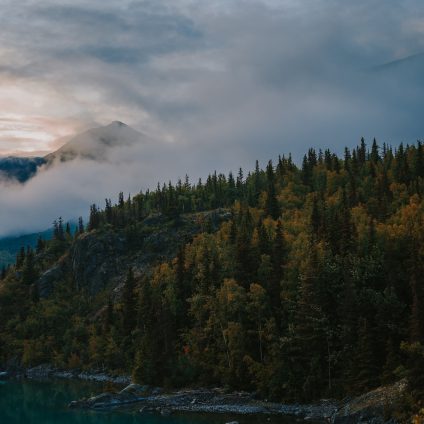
(81, 228)
(272, 207)
(129, 303)
(29, 274)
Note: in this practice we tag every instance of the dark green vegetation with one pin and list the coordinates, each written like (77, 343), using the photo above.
(297, 283)
(19, 169)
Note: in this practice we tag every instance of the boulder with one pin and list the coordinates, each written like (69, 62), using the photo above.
(104, 400)
(137, 390)
(39, 372)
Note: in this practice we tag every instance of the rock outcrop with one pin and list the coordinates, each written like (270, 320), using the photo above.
(100, 259)
(375, 407)
(49, 278)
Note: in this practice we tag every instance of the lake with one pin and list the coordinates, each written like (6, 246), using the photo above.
(45, 402)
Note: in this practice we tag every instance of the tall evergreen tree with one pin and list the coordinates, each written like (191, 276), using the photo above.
(129, 303)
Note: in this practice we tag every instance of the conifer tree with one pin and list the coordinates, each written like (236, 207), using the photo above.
(272, 207)
(20, 257)
(374, 155)
(40, 245)
(28, 272)
(129, 303)
(81, 228)
(365, 365)
(94, 221)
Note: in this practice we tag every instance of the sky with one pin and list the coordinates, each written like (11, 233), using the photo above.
(217, 83)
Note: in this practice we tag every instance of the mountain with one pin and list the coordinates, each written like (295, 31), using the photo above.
(10, 246)
(96, 143)
(19, 169)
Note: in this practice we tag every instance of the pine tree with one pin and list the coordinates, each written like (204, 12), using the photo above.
(20, 257)
(374, 155)
(346, 226)
(279, 253)
(129, 304)
(94, 221)
(272, 207)
(365, 364)
(60, 231)
(182, 287)
(309, 332)
(121, 201)
(419, 161)
(81, 228)
(362, 152)
(29, 274)
(417, 311)
(316, 221)
(108, 211)
(40, 245)
(306, 172)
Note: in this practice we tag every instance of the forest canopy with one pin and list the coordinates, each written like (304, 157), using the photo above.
(312, 286)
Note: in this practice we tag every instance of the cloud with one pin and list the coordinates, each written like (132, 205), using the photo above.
(67, 189)
(218, 83)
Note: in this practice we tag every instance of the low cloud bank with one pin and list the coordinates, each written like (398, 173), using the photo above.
(219, 84)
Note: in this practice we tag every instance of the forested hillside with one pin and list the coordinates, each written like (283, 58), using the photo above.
(309, 285)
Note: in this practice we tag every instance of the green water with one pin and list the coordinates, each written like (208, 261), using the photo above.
(31, 402)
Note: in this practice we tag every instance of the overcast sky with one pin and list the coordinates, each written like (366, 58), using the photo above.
(221, 81)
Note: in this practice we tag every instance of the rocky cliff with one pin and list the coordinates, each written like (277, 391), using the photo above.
(100, 259)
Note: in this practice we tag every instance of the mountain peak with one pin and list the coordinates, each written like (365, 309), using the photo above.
(117, 124)
(95, 143)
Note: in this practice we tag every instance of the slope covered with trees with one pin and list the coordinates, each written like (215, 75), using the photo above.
(311, 287)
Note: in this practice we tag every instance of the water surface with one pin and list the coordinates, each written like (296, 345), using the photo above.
(33, 402)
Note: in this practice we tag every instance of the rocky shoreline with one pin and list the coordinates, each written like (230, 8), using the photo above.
(217, 401)
(47, 371)
(371, 408)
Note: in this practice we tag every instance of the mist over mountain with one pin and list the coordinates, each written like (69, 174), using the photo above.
(95, 144)
(92, 166)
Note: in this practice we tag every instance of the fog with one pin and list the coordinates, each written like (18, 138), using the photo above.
(216, 84)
